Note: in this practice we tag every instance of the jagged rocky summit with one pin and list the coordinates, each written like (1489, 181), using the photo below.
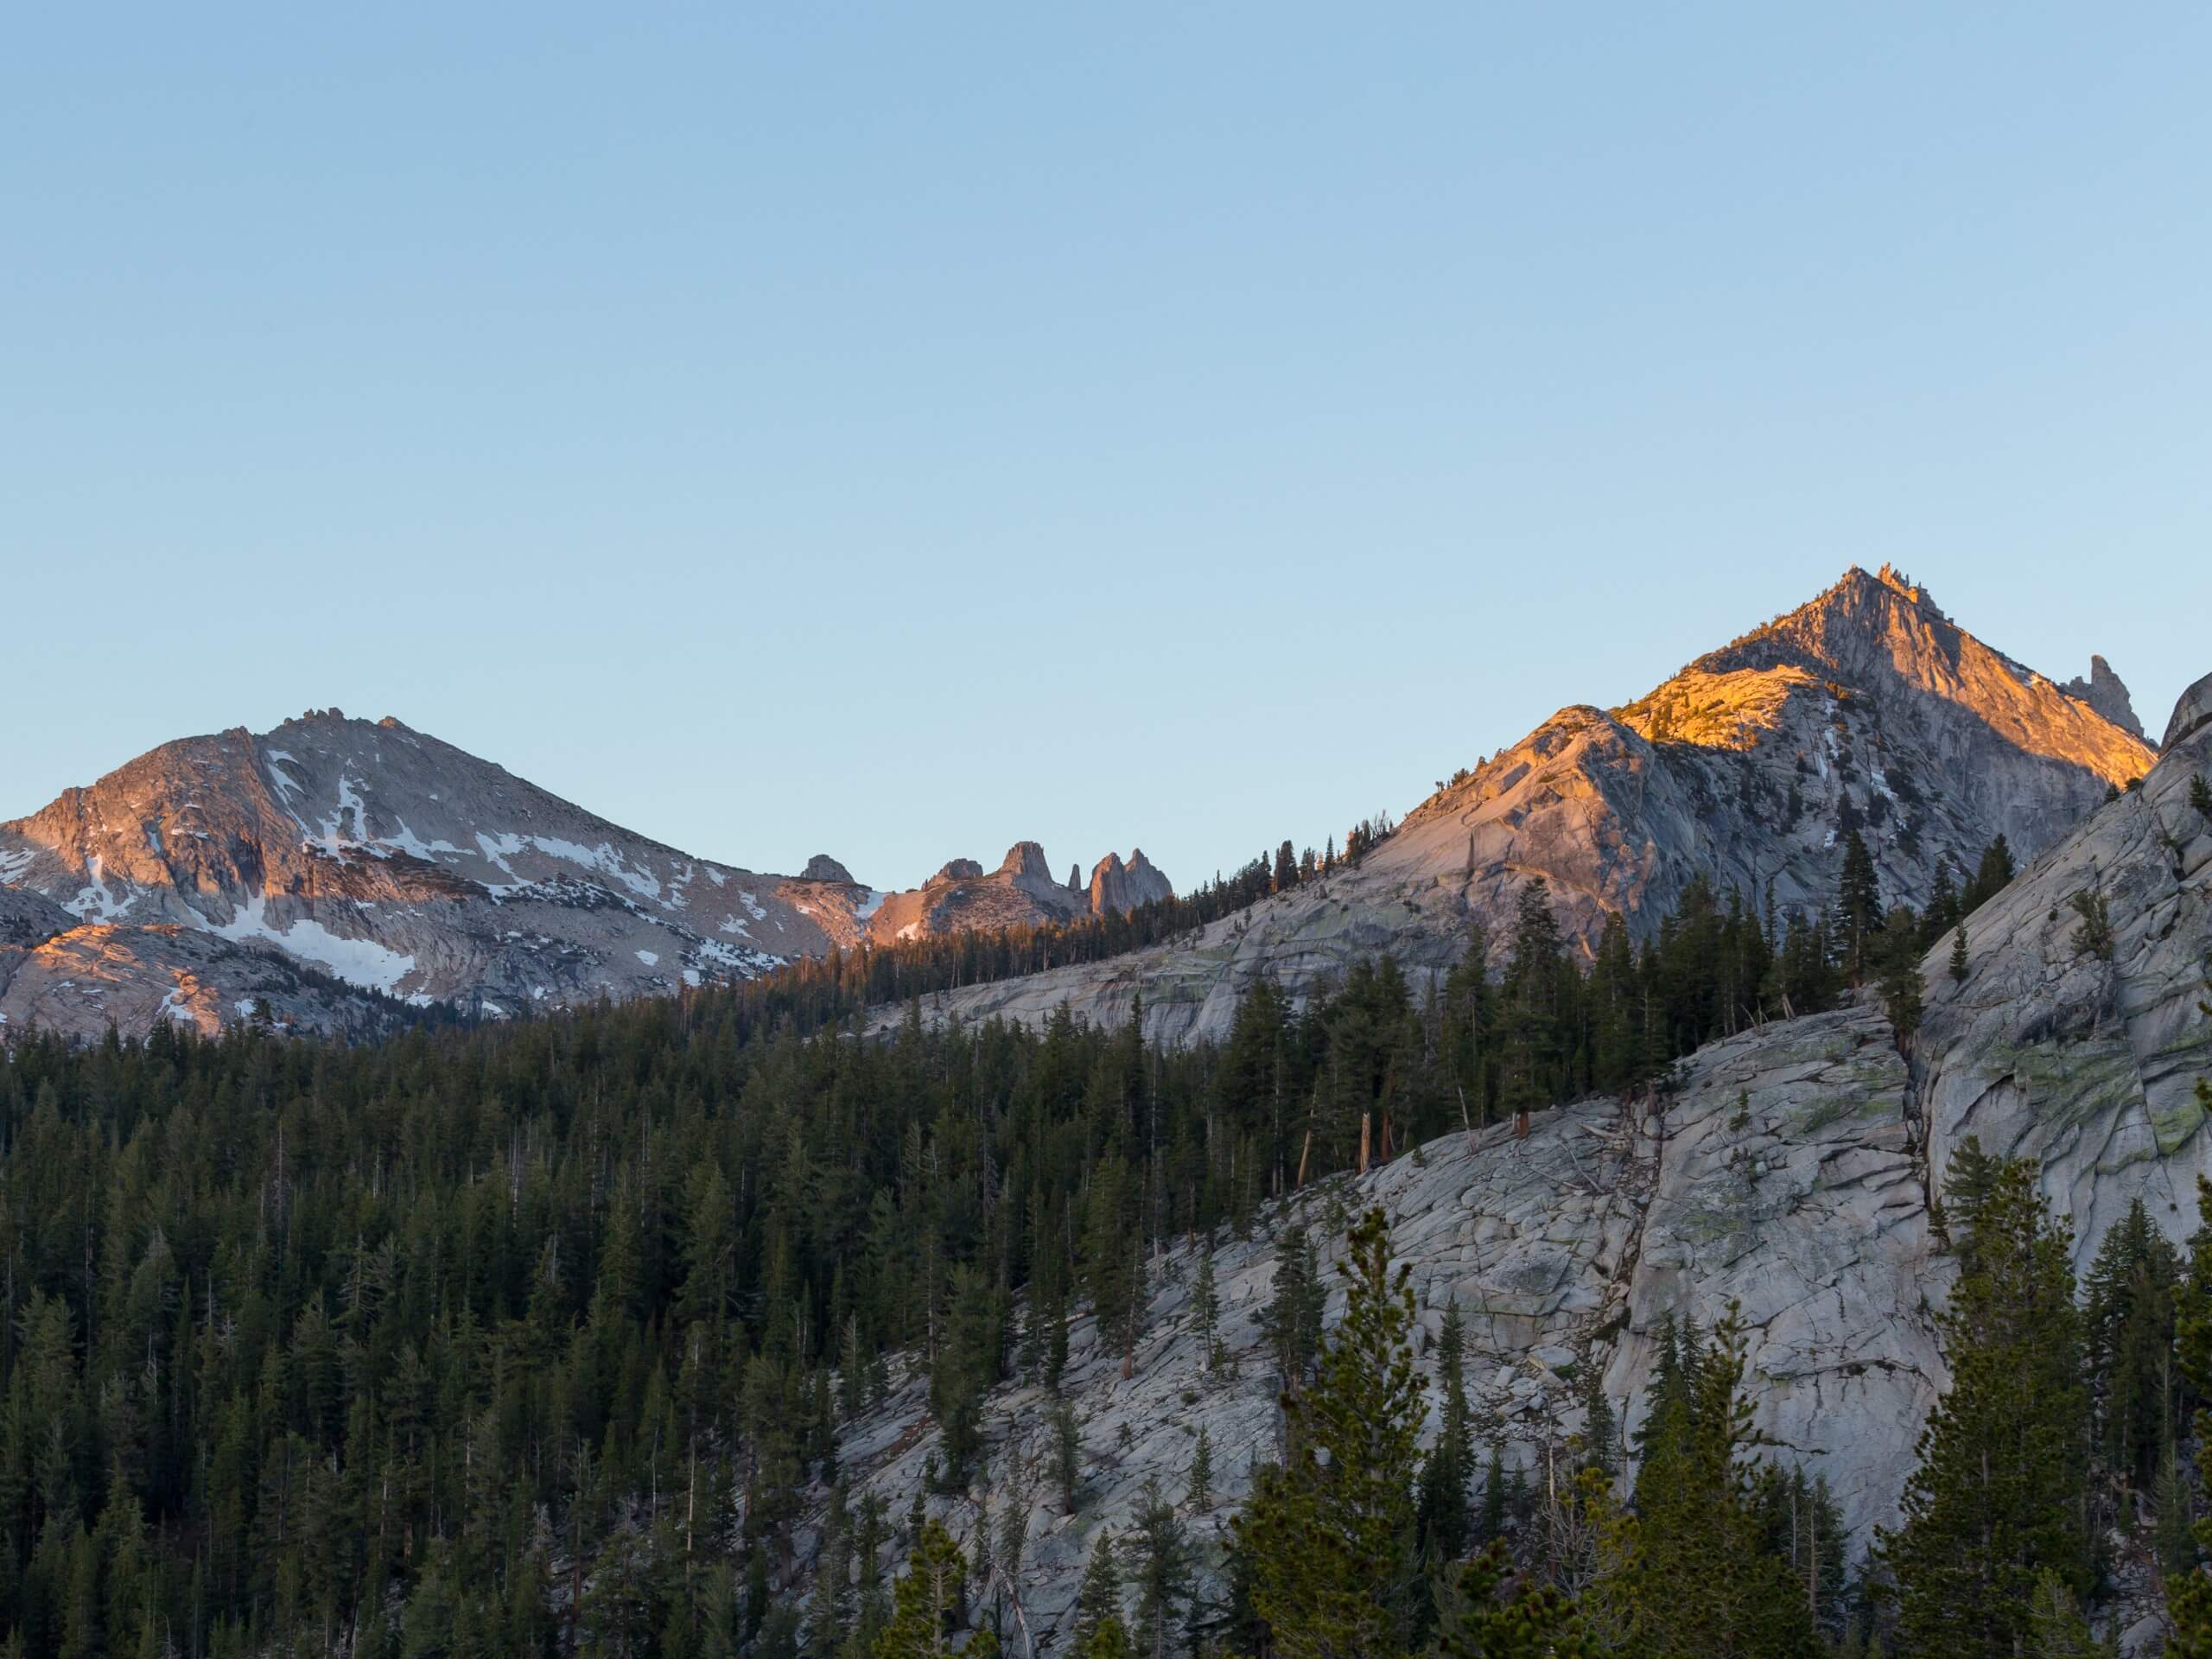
(333, 871)
(1867, 708)
(1020, 892)
(2107, 693)
(1789, 1170)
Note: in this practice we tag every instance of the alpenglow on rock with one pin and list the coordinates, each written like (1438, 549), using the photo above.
(1866, 709)
(331, 873)
(385, 863)
(1789, 1169)
(1019, 892)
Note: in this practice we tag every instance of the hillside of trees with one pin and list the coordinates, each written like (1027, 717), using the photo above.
(534, 1339)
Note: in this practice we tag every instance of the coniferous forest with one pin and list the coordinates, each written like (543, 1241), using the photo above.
(536, 1338)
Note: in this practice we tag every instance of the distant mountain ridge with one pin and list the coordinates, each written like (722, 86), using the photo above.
(1865, 709)
(335, 871)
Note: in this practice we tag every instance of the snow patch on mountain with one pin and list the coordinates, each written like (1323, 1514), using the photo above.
(358, 962)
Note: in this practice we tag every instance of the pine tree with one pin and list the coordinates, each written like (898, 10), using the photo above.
(1067, 1450)
(2128, 1330)
(1533, 1621)
(1897, 950)
(1601, 1429)
(1689, 1574)
(1442, 1508)
(1991, 876)
(2200, 795)
(1163, 1564)
(1292, 1319)
(928, 1605)
(1099, 1600)
(2189, 1596)
(1201, 1490)
(1958, 967)
(1996, 1499)
(1490, 1526)
(1858, 907)
(1331, 1536)
(1205, 1311)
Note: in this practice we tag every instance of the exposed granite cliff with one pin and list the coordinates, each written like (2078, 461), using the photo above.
(1788, 1170)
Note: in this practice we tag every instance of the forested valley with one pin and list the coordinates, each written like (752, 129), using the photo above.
(538, 1338)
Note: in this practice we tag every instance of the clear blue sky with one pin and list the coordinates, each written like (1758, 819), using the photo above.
(895, 431)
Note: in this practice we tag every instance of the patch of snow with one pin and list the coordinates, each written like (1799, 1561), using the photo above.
(729, 955)
(731, 925)
(497, 849)
(286, 784)
(869, 905)
(243, 1007)
(694, 978)
(753, 906)
(716, 876)
(415, 846)
(96, 903)
(358, 961)
(910, 930)
(490, 1007)
(12, 865)
(650, 958)
(602, 858)
(173, 1007)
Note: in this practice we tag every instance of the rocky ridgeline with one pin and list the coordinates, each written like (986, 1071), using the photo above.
(1867, 708)
(1788, 1170)
(1021, 893)
(333, 872)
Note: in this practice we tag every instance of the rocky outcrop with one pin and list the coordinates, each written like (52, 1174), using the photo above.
(100, 975)
(2191, 714)
(1117, 888)
(1788, 1171)
(2107, 693)
(28, 918)
(822, 867)
(1020, 892)
(1867, 708)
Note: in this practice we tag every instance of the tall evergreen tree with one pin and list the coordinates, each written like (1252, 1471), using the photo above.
(1331, 1536)
(1857, 908)
(1996, 1500)
(928, 1605)
(1689, 1574)
(1445, 1523)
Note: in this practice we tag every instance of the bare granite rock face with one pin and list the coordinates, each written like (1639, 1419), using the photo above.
(1788, 1171)
(1117, 888)
(2107, 693)
(2191, 714)
(1866, 708)
(822, 867)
